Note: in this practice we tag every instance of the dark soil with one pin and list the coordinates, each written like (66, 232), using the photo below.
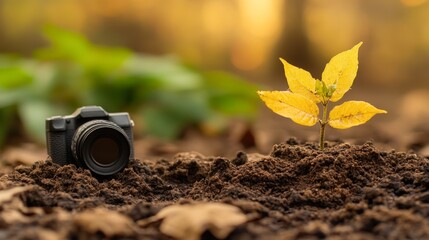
(297, 192)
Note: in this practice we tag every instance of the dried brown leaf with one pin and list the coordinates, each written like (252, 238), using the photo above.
(7, 195)
(108, 222)
(191, 221)
(13, 209)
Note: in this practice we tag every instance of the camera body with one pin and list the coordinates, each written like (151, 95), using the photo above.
(91, 138)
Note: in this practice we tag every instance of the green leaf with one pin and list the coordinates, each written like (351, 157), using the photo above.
(320, 88)
(168, 113)
(105, 59)
(66, 45)
(161, 123)
(230, 94)
(12, 77)
(330, 90)
(168, 72)
(6, 118)
(33, 115)
(12, 97)
(74, 47)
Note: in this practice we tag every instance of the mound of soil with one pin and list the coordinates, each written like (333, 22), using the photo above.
(297, 192)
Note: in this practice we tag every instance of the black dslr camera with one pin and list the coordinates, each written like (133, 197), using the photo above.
(91, 138)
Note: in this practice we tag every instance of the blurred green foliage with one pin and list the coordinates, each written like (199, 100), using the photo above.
(163, 95)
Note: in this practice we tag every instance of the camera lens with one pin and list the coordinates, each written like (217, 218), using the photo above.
(101, 146)
(105, 150)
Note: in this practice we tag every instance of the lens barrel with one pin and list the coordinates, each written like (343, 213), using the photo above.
(101, 146)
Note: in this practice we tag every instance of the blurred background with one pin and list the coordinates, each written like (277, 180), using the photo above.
(187, 71)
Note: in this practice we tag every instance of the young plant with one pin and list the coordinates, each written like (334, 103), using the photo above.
(300, 103)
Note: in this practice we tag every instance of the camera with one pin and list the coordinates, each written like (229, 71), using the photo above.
(91, 138)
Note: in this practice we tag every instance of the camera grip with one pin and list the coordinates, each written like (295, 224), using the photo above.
(56, 144)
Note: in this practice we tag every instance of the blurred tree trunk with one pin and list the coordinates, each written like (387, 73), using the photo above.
(294, 45)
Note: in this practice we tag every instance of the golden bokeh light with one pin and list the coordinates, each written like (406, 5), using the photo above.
(246, 36)
(260, 25)
(413, 3)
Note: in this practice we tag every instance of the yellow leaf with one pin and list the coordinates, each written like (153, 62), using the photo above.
(294, 106)
(341, 72)
(352, 113)
(300, 81)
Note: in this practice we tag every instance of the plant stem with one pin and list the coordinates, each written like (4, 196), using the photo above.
(323, 123)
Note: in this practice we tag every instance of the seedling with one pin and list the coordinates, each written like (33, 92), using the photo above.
(300, 102)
